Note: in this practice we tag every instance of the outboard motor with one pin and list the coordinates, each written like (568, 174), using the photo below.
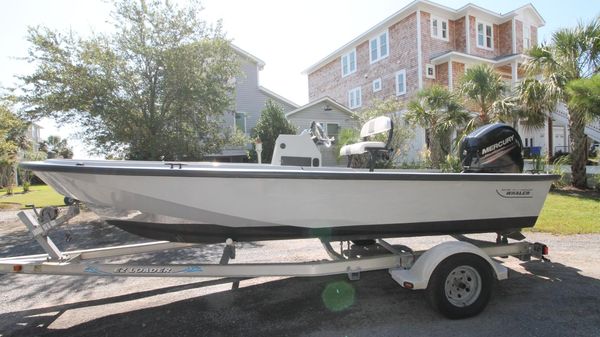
(492, 148)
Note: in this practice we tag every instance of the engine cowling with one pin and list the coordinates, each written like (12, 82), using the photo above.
(492, 148)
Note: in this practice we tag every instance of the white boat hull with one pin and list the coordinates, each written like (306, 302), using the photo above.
(202, 202)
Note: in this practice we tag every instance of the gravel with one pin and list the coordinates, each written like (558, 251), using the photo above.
(8, 216)
(556, 298)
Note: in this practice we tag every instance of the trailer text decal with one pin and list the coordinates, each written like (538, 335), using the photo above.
(143, 270)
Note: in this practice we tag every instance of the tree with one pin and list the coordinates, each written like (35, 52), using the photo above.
(57, 146)
(12, 139)
(156, 88)
(270, 125)
(483, 87)
(571, 55)
(584, 94)
(437, 111)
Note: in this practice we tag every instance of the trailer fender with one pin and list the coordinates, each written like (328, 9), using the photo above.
(417, 277)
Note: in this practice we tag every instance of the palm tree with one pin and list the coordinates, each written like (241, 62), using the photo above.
(483, 87)
(56, 146)
(437, 110)
(585, 94)
(572, 54)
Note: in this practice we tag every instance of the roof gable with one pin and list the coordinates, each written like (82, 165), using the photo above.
(260, 63)
(326, 100)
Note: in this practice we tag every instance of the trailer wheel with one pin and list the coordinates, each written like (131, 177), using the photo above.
(460, 286)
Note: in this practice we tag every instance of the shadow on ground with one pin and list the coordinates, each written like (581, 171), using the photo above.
(87, 235)
(549, 299)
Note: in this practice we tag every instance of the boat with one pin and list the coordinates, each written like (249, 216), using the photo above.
(294, 197)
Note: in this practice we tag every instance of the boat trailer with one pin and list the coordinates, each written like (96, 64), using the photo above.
(458, 275)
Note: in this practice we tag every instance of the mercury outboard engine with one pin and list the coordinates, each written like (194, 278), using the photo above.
(492, 148)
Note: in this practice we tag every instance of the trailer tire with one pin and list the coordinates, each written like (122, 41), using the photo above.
(460, 286)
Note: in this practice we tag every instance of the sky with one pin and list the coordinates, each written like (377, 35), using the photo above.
(289, 36)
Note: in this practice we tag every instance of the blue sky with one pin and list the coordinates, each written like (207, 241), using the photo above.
(288, 35)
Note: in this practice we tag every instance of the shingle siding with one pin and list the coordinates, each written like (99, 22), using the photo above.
(519, 34)
(460, 40)
(505, 38)
(402, 44)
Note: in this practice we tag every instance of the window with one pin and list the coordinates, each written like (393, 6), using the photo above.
(485, 35)
(349, 63)
(439, 28)
(526, 36)
(332, 130)
(379, 47)
(377, 85)
(354, 98)
(240, 121)
(430, 71)
(401, 82)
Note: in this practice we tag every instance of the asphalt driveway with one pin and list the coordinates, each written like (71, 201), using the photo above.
(557, 298)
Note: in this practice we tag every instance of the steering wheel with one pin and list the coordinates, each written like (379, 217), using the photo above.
(319, 134)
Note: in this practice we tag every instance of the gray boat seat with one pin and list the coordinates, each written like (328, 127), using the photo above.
(371, 128)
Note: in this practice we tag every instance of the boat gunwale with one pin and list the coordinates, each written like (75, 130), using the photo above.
(276, 173)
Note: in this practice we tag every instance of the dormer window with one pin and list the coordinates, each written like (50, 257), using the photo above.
(379, 47)
(349, 63)
(485, 35)
(439, 28)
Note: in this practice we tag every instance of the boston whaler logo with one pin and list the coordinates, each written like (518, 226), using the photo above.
(498, 145)
(515, 192)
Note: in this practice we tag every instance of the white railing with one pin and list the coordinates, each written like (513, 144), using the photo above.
(592, 129)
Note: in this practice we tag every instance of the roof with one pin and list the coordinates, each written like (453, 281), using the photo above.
(276, 96)
(326, 99)
(432, 7)
(465, 58)
(259, 62)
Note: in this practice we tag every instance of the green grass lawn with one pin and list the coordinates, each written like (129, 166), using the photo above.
(39, 195)
(570, 212)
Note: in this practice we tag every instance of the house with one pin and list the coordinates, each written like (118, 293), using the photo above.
(33, 135)
(426, 43)
(333, 117)
(250, 99)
